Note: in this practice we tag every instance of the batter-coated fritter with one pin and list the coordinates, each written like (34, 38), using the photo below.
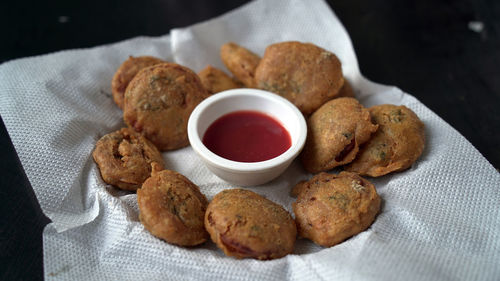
(215, 80)
(304, 73)
(159, 101)
(241, 62)
(398, 142)
(246, 225)
(124, 158)
(334, 133)
(126, 72)
(346, 90)
(172, 208)
(331, 208)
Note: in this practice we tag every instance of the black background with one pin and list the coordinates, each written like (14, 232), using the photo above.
(425, 48)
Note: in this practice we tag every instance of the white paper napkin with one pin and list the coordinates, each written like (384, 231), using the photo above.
(440, 220)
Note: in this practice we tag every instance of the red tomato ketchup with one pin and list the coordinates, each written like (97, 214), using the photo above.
(247, 136)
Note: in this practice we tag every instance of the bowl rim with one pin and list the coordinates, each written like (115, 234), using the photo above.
(222, 163)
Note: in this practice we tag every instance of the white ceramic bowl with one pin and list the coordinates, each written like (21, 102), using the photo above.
(247, 173)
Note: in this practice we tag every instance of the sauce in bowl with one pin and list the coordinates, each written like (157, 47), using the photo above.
(247, 136)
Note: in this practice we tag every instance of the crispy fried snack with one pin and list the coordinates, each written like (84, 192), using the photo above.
(334, 133)
(172, 208)
(246, 225)
(158, 102)
(331, 208)
(346, 90)
(241, 62)
(124, 158)
(216, 80)
(126, 72)
(396, 145)
(304, 73)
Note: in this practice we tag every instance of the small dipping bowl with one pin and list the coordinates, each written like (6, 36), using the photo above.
(247, 173)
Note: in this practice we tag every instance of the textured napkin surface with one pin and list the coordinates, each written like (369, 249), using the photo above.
(440, 220)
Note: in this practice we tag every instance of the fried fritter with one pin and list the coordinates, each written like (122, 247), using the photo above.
(124, 158)
(246, 225)
(334, 133)
(331, 208)
(346, 90)
(216, 80)
(172, 208)
(159, 101)
(396, 145)
(126, 72)
(304, 73)
(241, 62)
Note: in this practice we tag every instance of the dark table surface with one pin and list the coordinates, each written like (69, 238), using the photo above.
(445, 53)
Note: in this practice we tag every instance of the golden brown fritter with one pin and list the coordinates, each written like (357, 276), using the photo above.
(172, 208)
(126, 72)
(246, 225)
(304, 73)
(216, 80)
(124, 158)
(241, 62)
(398, 142)
(331, 208)
(334, 133)
(346, 90)
(159, 101)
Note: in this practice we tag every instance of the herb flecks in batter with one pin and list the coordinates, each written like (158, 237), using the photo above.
(273, 87)
(341, 200)
(382, 155)
(255, 230)
(381, 151)
(153, 80)
(347, 135)
(146, 105)
(396, 116)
